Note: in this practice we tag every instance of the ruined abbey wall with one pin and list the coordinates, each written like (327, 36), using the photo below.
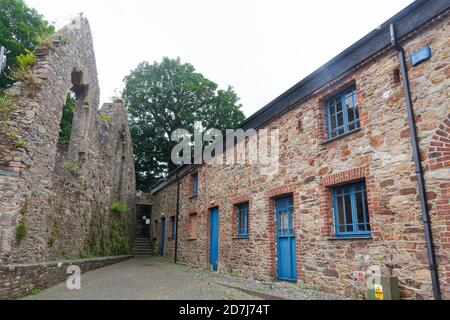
(55, 198)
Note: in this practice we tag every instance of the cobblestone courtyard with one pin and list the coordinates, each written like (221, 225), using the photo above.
(156, 279)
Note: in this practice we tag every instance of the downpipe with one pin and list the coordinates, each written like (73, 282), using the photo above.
(418, 164)
(177, 216)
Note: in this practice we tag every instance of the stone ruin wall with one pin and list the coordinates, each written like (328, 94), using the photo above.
(62, 193)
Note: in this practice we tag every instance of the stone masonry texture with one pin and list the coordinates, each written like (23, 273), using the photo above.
(379, 153)
(61, 193)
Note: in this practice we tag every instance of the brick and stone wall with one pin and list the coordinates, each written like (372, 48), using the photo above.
(59, 195)
(379, 153)
(17, 281)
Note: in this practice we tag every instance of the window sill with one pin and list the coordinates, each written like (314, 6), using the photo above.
(241, 237)
(350, 238)
(193, 196)
(340, 137)
(191, 239)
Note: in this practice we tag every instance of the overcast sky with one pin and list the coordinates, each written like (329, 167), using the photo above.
(259, 47)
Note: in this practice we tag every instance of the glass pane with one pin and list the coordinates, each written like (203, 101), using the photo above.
(346, 190)
(333, 107)
(352, 126)
(283, 222)
(290, 201)
(339, 191)
(338, 105)
(360, 208)
(355, 99)
(348, 210)
(340, 119)
(241, 222)
(359, 187)
(350, 109)
(340, 211)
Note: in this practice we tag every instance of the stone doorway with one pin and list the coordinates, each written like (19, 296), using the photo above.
(143, 220)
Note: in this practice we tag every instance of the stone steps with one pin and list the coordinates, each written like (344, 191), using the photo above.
(142, 247)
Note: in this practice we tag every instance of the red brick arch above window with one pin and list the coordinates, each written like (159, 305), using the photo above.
(439, 150)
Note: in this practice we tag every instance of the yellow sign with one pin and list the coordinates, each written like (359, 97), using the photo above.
(379, 295)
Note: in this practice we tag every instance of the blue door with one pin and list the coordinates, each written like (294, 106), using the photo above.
(286, 239)
(163, 236)
(214, 238)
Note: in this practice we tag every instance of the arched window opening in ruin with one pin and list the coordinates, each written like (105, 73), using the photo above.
(75, 114)
(65, 128)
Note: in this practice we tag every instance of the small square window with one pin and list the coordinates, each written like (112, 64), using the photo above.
(342, 113)
(351, 210)
(242, 223)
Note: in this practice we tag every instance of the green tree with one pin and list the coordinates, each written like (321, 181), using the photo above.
(163, 97)
(21, 28)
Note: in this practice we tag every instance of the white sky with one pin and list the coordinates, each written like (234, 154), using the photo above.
(260, 47)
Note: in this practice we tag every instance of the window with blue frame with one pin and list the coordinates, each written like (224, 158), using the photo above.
(173, 225)
(342, 113)
(242, 217)
(195, 184)
(351, 210)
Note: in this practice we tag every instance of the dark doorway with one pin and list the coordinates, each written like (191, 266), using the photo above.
(143, 220)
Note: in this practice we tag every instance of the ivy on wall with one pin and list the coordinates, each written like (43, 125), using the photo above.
(111, 241)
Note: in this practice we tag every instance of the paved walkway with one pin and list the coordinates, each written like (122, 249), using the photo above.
(156, 279)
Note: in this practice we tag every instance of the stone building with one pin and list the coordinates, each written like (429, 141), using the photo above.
(346, 193)
(56, 198)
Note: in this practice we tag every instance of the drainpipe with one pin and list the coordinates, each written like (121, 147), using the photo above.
(419, 170)
(177, 215)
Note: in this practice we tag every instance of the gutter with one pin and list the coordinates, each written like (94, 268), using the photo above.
(418, 164)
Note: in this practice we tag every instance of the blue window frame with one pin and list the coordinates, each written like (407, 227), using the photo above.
(173, 224)
(243, 220)
(351, 210)
(195, 184)
(342, 113)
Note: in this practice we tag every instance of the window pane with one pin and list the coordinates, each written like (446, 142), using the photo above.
(283, 222)
(290, 201)
(348, 210)
(195, 184)
(360, 208)
(340, 211)
(242, 217)
(359, 186)
(338, 105)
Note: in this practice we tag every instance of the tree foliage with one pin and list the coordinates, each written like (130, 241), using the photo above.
(166, 96)
(67, 118)
(21, 28)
